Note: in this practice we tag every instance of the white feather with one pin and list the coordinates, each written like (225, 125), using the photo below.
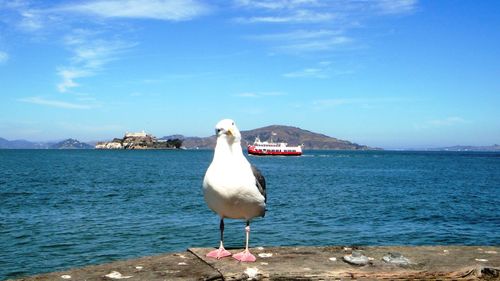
(229, 185)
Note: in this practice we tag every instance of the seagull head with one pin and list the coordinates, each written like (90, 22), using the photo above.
(227, 129)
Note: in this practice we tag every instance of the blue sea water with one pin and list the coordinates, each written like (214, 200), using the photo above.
(65, 208)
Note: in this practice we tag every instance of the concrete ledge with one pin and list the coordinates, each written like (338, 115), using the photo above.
(304, 263)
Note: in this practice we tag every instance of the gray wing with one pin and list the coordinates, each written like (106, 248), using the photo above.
(260, 181)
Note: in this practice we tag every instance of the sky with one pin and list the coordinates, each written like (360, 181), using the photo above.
(385, 73)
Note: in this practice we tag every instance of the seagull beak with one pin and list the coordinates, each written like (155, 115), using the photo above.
(230, 132)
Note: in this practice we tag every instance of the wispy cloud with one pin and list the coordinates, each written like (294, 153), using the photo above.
(259, 94)
(33, 16)
(90, 50)
(441, 123)
(300, 41)
(4, 57)
(300, 16)
(169, 10)
(323, 69)
(326, 104)
(448, 121)
(325, 25)
(396, 6)
(296, 35)
(56, 103)
(23, 16)
(89, 54)
(329, 103)
(307, 72)
(274, 4)
(31, 20)
(294, 11)
(68, 78)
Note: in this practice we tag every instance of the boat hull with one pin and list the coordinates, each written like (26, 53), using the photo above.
(269, 152)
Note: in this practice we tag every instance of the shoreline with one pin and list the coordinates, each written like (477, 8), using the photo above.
(302, 263)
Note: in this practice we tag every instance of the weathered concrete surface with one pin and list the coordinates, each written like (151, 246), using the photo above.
(326, 263)
(178, 266)
(303, 263)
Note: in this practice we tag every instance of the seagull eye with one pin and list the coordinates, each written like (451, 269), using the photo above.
(232, 123)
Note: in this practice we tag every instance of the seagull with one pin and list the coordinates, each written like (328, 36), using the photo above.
(233, 188)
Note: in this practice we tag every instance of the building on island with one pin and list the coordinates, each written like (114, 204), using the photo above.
(142, 134)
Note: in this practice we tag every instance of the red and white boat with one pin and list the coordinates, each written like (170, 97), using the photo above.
(273, 148)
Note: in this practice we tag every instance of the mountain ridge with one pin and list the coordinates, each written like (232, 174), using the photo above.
(71, 144)
(280, 133)
(494, 147)
(22, 144)
(290, 134)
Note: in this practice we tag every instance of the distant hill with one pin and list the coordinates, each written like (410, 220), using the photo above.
(494, 147)
(21, 144)
(279, 133)
(71, 144)
(297, 136)
(196, 142)
(24, 144)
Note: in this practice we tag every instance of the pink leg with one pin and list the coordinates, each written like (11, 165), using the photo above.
(221, 252)
(245, 256)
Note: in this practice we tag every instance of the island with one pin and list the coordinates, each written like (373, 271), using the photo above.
(141, 140)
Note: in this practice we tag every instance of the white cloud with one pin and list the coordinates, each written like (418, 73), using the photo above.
(449, 121)
(328, 103)
(325, 104)
(312, 11)
(92, 52)
(285, 11)
(34, 16)
(303, 41)
(441, 123)
(300, 16)
(323, 44)
(259, 95)
(323, 16)
(170, 10)
(396, 6)
(308, 72)
(323, 69)
(21, 15)
(4, 57)
(274, 4)
(68, 78)
(298, 35)
(89, 55)
(56, 103)
(31, 20)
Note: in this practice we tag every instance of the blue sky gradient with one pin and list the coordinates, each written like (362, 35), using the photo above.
(386, 73)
